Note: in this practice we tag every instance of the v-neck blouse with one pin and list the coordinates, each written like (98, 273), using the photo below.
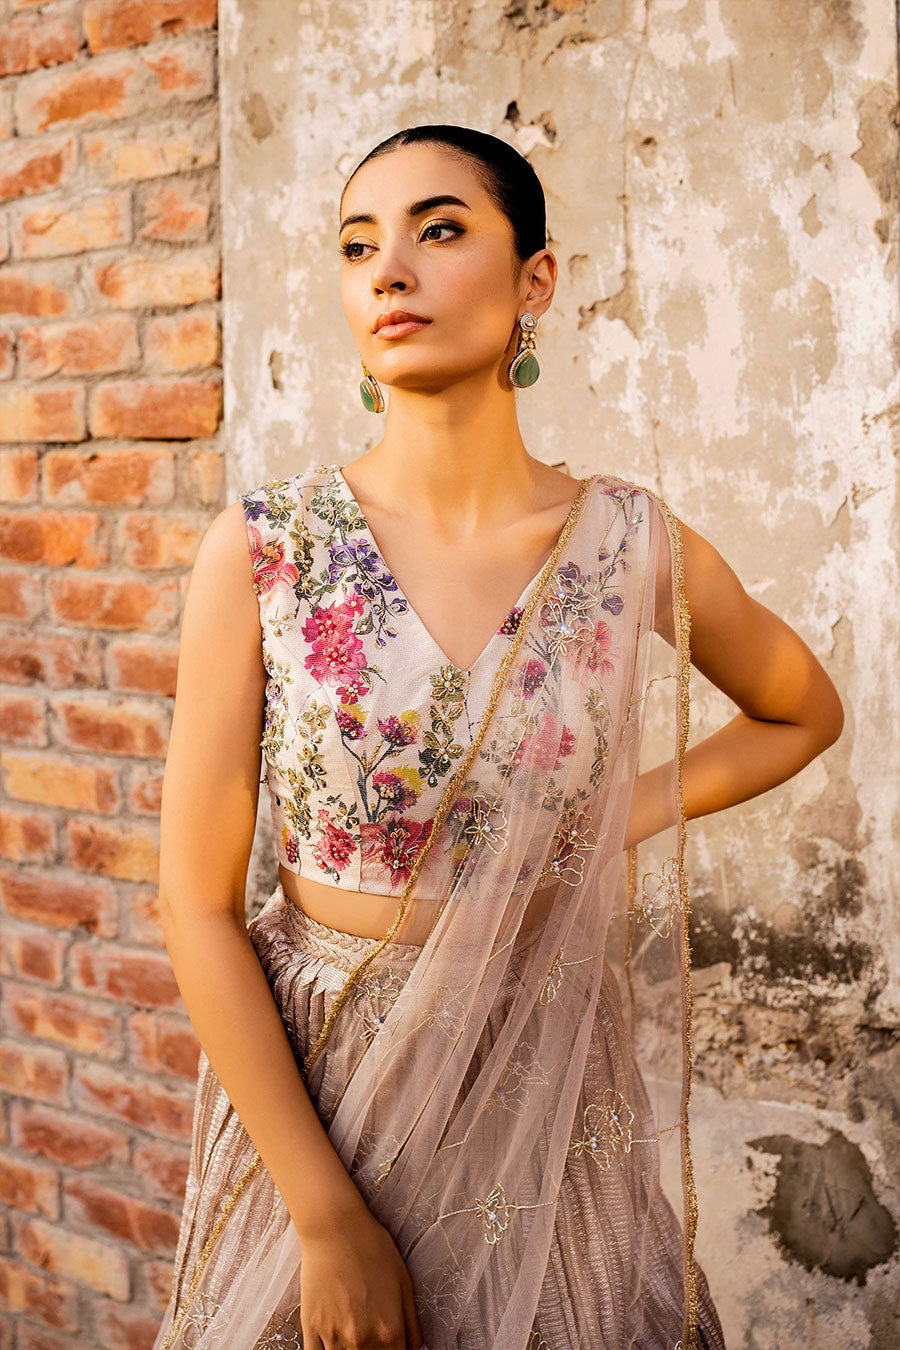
(365, 718)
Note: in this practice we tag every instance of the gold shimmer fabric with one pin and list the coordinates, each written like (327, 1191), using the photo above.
(506, 1072)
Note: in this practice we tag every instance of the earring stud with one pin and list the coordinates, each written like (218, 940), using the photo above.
(525, 368)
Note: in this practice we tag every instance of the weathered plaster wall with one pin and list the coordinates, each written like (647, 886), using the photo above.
(722, 199)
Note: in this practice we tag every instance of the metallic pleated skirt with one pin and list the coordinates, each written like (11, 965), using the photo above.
(306, 964)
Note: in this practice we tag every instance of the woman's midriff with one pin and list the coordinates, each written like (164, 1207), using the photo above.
(366, 914)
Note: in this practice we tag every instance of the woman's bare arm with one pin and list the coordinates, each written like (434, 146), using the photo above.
(209, 803)
(790, 710)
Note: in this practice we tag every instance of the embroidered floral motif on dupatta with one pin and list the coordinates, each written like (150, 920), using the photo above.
(479, 1087)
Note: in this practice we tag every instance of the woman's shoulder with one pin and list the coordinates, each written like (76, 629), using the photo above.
(282, 489)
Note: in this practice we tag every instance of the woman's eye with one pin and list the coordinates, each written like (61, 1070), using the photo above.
(441, 225)
(345, 249)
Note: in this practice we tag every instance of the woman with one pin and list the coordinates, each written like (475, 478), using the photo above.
(448, 1063)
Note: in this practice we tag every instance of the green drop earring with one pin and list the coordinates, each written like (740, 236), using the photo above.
(524, 368)
(370, 391)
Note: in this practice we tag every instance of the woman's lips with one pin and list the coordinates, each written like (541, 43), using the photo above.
(397, 330)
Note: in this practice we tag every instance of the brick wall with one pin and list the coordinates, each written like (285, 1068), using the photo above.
(110, 469)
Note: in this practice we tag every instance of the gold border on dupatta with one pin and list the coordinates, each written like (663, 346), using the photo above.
(444, 806)
(683, 681)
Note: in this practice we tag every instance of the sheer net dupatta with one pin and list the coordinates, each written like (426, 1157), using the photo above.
(544, 1025)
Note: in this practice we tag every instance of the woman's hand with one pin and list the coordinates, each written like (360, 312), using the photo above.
(355, 1290)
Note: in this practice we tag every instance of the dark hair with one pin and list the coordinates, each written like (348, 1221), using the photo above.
(505, 175)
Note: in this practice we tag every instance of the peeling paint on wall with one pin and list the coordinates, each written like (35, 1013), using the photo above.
(722, 190)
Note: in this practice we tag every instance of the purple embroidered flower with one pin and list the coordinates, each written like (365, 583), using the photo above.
(254, 507)
(393, 791)
(396, 732)
(510, 624)
(367, 563)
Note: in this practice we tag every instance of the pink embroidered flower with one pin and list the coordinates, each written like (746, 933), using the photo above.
(335, 847)
(353, 689)
(352, 724)
(290, 844)
(545, 747)
(270, 568)
(530, 676)
(394, 845)
(337, 653)
(600, 651)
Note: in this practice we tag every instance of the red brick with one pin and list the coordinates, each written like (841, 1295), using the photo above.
(182, 341)
(142, 921)
(50, 781)
(59, 660)
(130, 853)
(138, 282)
(128, 727)
(7, 120)
(33, 957)
(122, 155)
(54, 538)
(122, 1326)
(54, 1303)
(183, 68)
(7, 355)
(42, 414)
(28, 1185)
(68, 1021)
(74, 1141)
(126, 84)
(145, 792)
(135, 476)
(104, 88)
(20, 595)
(141, 667)
(37, 40)
(98, 1089)
(34, 1071)
(204, 477)
(61, 902)
(168, 410)
(23, 719)
(124, 1217)
(36, 165)
(22, 292)
(148, 540)
(26, 836)
(164, 1045)
(136, 977)
(127, 23)
(175, 212)
(91, 347)
(93, 602)
(19, 475)
(74, 1256)
(56, 228)
(162, 1167)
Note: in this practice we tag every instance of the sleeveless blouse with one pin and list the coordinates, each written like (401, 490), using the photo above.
(365, 717)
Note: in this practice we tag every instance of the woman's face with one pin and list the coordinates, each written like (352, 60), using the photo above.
(450, 262)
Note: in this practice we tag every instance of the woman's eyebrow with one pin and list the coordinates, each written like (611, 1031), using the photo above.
(414, 209)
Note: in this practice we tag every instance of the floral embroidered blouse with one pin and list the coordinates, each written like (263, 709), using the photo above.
(365, 717)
